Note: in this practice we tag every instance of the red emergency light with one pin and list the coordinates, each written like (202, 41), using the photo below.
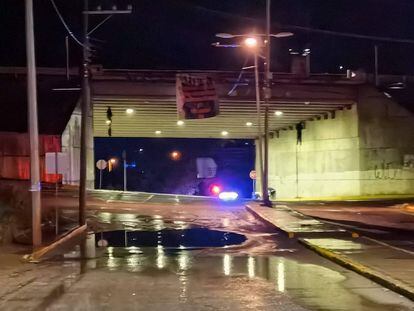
(215, 189)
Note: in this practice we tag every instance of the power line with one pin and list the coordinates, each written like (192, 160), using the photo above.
(350, 35)
(65, 24)
(302, 28)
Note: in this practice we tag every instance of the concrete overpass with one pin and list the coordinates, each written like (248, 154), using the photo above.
(152, 95)
(357, 139)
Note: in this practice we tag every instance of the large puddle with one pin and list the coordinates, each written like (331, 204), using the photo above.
(183, 239)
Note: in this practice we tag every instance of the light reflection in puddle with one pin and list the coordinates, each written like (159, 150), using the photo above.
(251, 267)
(310, 285)
(227, 259)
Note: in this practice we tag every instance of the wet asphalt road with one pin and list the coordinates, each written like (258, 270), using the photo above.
(266, 272)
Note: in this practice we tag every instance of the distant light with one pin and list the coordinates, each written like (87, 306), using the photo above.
(307, 103)
(224, 133)
(108, 122)
(141, 150)
(180, 122)
(175, 155)
(129, 111)
(397, 86)
(228, 196)
(158, 132)
(387, 94)
(341, 67)
(251, 42)
(215, 189)
(278, 113)
(249, 123)
(113, 160)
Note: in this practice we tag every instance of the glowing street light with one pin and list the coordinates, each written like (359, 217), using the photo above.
(251, 42)
(278, 113)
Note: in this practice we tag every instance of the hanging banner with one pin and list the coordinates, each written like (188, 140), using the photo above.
(196, 97)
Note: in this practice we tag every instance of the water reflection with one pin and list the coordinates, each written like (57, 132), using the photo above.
(161, 259)
(281, 276)
(227, 259)
(251, 267)
(183, 261)
(311, 285)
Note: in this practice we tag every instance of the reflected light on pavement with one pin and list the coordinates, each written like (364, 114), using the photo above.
(160, 257)
(226, 222)
(251, 267)
(227, 264)
(183, 261)
(281, 277)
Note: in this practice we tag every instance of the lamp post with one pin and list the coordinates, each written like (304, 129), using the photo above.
(252, 42)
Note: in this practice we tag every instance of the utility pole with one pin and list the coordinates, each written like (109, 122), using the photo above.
(85, 109)
(267, 95)
(35, 186)
(86, 126)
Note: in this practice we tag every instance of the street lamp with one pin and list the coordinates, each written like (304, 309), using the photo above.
(252, 43)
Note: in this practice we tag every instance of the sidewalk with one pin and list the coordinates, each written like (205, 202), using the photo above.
(386, 265)
(31, 286)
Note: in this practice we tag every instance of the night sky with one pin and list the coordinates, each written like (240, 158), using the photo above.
(177, 34)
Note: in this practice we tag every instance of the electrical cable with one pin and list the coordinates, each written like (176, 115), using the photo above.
(65, 25)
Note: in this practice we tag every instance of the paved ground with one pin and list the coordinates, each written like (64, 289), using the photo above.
(381, 261)
(266, 272)
(392, 224)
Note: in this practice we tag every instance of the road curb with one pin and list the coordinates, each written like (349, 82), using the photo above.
(367, 272)
(262, 218)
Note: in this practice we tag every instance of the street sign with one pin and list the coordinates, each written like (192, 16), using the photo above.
(206, 168)
(102, 243)
(196, 97)
(101, 164)
(253, 174)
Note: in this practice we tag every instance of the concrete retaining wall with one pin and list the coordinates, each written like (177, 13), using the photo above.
(362, 151)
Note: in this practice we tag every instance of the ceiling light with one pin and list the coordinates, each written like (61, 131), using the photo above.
(180, 122)
(224, 133)
(158, 132)
(249, 123)
(129, 111)
(278, 113)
